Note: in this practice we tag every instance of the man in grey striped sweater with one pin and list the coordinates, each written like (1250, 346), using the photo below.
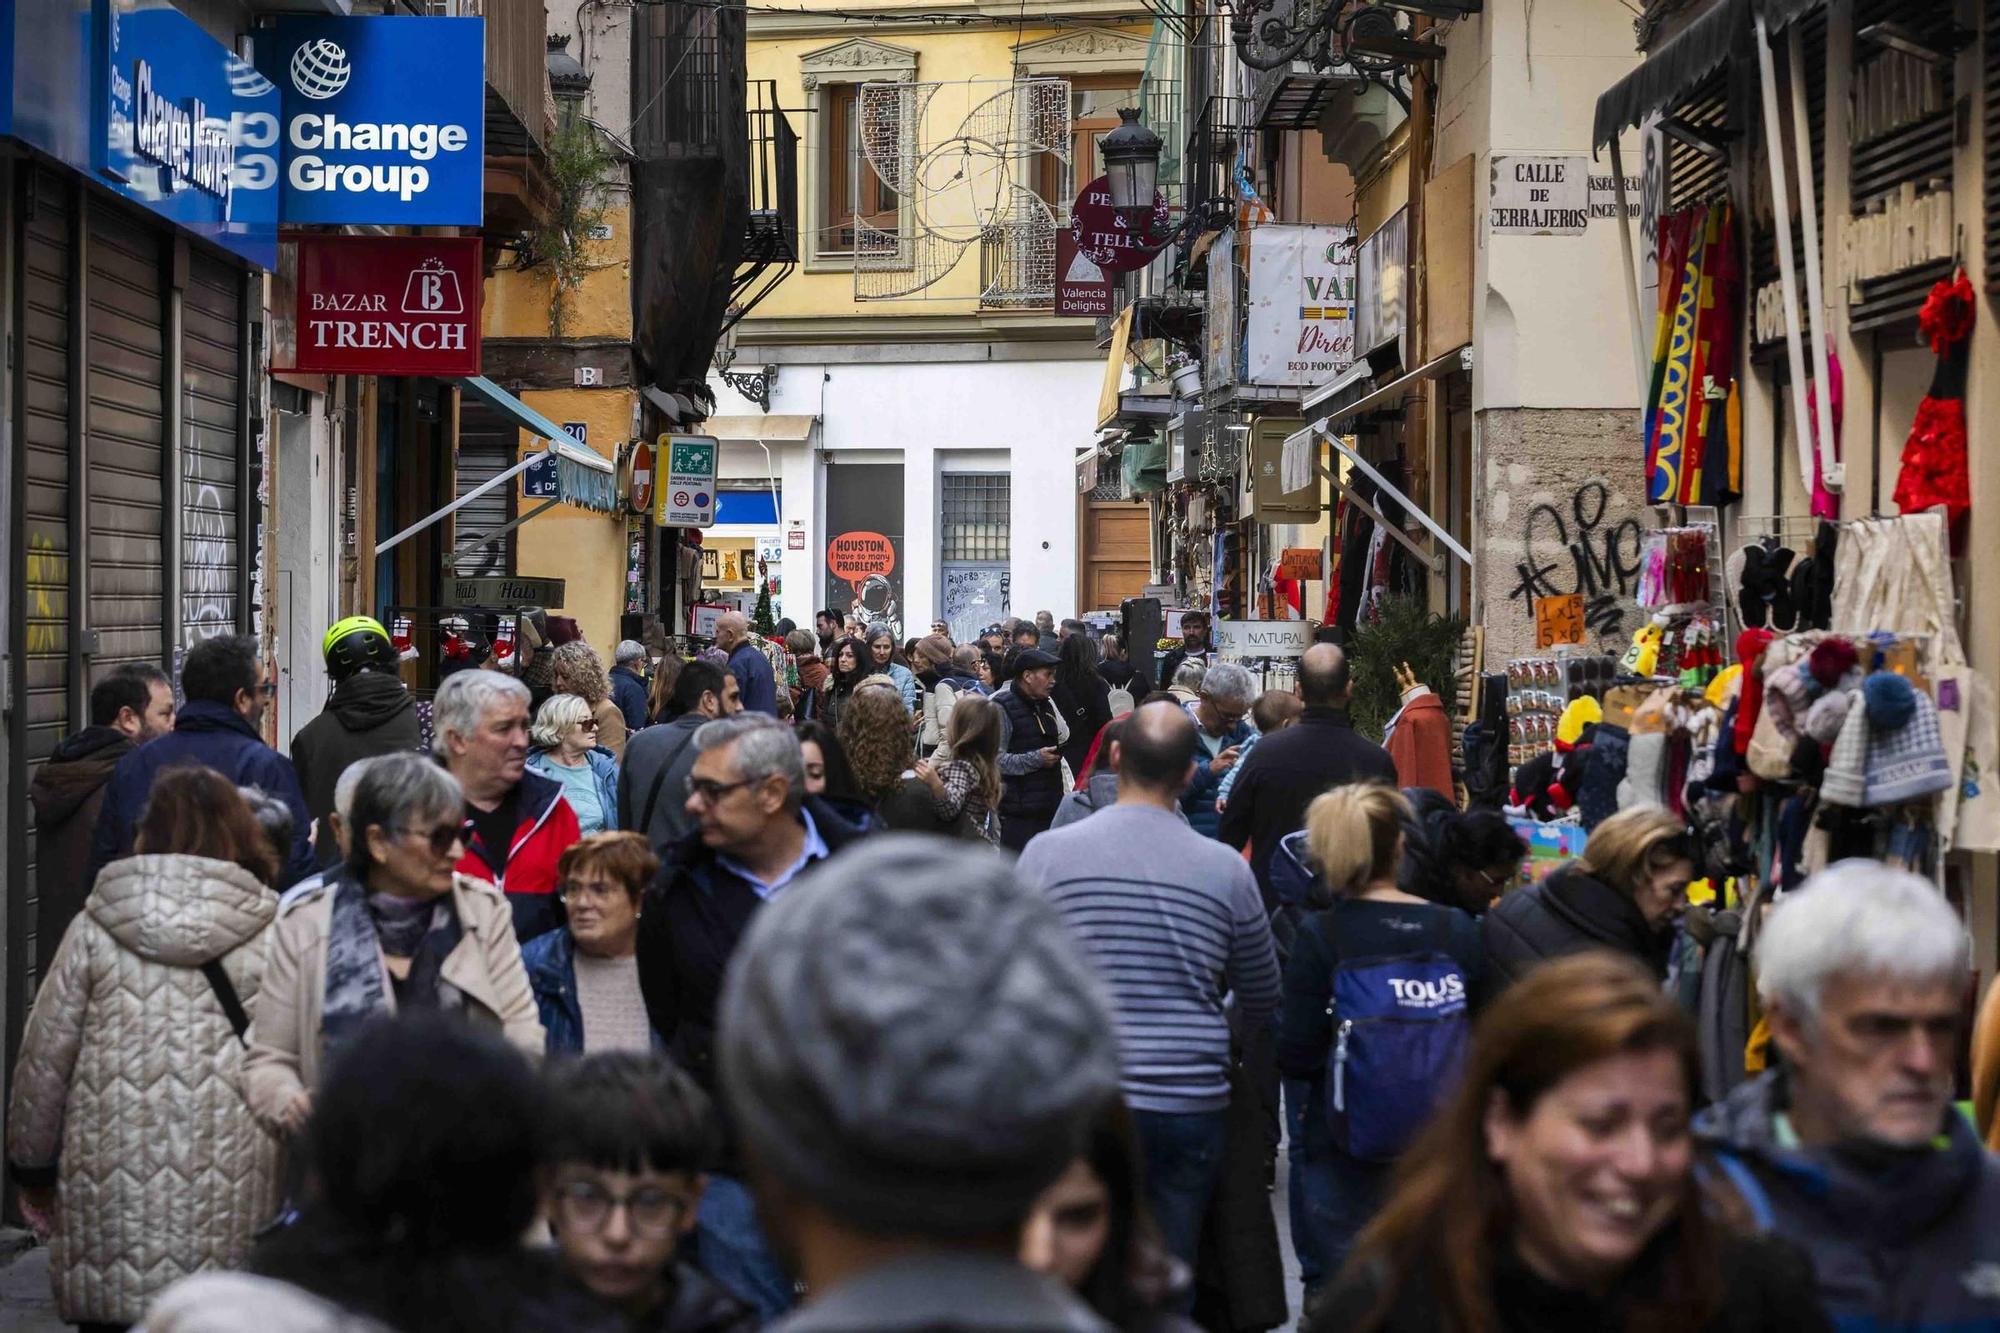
(1173, 923)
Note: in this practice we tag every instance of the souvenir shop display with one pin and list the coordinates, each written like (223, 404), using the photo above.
(1934, 468)
(1694, 417)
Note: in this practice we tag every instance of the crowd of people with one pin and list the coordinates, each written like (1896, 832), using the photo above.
(823, 982)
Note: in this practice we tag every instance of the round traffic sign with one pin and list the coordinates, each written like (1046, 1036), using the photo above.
(680, 499)
(701, 499)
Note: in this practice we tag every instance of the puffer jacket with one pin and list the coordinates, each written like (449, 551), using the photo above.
(125, 1095)
(242, 1303)
(1566, 913)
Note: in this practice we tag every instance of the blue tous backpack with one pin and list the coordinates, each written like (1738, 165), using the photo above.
(1400, 1032)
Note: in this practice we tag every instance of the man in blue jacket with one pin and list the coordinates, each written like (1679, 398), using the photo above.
(1222, 728)
(750, 667)
(1852, 1149)
(224, 685)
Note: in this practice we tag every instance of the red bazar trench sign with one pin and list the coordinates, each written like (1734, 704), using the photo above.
(389, 305)
(1101, 234)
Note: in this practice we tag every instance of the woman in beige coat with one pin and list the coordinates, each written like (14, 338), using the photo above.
(126, 1132)
(394, 928)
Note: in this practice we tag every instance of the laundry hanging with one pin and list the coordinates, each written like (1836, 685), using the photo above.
(1693, 415)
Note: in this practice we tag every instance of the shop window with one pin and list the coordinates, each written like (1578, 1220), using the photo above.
(975, 526)
(855, 195)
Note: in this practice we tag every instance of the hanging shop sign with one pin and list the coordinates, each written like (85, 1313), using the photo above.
(1539, 196)
(503, 591)
(388, 305)
(684, 481)
(1299, 562)
(1245, 640)
(1083, 290)
(383, 119)
(1383, 264)
(1299, 327)
(184, 127)
(1100, 234)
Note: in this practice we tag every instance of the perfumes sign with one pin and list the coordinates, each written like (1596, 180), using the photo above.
(389, 305)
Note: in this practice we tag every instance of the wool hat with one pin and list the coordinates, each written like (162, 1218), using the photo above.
(1750, 646)
(1906, 762)
(911, 1040)
(1845, 781)
(562, 630)
(1828, 714)
(1892, 700)
(1830, 660)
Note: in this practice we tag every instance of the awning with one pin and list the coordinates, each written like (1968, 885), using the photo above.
(1348, 386)
(584, 477)
(1682, 62)
(1302, 447)
(779, 429)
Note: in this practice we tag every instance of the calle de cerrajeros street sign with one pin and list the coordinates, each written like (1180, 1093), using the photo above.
(388, 305)
(684, 486)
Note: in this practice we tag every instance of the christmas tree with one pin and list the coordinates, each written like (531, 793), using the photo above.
(761, 619)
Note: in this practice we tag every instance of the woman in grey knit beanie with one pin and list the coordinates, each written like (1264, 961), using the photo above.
(911, 1041)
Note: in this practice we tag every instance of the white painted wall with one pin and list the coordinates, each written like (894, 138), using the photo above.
(305, 585)
(1550, 321)
(1019, 416)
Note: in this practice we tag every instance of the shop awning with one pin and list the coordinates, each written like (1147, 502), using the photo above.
(1302, 451)
(1693, 54)
(1349, 386)
(767, 429)
(584, 477)
(748, 508)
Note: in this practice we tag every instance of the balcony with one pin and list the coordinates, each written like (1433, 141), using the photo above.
(683, 62)
(1017, 258)
(518, 195)
(771, 235)
(1222, 134)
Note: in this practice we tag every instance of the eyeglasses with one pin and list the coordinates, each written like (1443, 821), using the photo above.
(708, 792)
(652, 1212)
(598, 889)
(445, 836)
(588, 724)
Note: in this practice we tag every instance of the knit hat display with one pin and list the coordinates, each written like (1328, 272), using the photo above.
(1906, 758)
(1827, 715)
(1645, 771)
(1750, 646)
(1831, 660)
(911, 1040)
(1845, 781)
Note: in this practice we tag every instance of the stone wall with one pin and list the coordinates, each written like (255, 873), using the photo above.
(1559, 508)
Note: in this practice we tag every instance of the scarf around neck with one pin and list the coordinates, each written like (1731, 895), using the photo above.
(363, 927)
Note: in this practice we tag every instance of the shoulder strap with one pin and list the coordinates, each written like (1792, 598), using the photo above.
(225, 994)
(1748, 1189)
(645, 824)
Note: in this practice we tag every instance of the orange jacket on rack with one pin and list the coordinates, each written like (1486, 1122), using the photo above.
(1418, 739)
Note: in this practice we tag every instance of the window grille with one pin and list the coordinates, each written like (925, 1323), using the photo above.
(976, 525)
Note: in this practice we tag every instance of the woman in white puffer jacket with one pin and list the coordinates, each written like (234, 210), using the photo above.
(127, 1133)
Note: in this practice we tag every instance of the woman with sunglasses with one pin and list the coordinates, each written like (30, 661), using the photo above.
(565, 750)
(585, 973)
(394, 928)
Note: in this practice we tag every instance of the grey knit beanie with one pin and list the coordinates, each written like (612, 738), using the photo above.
(911, 1039)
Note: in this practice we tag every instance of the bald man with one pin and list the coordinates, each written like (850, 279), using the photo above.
(1289, 768)
(747, 663)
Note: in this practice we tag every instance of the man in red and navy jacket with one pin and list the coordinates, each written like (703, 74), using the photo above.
(521, 825)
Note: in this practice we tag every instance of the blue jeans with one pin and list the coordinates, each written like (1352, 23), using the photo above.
(1331, 1195)
(730, 1247)
(1183, 1157)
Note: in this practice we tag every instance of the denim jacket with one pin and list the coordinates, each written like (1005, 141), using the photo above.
(551, 963)
(602, 766)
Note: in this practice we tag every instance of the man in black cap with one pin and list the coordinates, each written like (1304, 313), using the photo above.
(1031, 736)
(912, 1049)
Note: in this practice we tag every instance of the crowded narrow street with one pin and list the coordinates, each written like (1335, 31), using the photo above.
(999, 666)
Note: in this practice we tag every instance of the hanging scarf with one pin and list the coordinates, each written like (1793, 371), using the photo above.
(1692, 456)
(362, 927)
(1935, 468)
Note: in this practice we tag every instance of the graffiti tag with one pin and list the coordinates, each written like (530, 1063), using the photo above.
(1581, 555)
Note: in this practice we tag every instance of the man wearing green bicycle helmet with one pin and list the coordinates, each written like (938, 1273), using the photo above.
(369, 713)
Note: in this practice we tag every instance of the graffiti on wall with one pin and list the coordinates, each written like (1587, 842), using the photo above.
(48, 590)
(208, 594)
(1576, 547)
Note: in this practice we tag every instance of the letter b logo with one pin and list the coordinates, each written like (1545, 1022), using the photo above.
(430, 291)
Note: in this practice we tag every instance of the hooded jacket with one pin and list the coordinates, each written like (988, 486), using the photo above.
(1899, 1240)
(68, 795)
(1566, 913)
(369, 714)
(546, 828)
(210, 735)
(1099, 792)
(125, 1095)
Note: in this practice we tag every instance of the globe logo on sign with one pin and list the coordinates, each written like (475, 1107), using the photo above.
(319, 69)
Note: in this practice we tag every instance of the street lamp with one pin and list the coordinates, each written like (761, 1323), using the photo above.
(1131, 168)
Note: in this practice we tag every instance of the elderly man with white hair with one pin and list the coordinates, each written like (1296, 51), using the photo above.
(747, 663)
(521, 825)
(1221, 713)
(628, 683)
(1852, 1148)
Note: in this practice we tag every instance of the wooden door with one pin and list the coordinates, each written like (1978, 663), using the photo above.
(1114, 553)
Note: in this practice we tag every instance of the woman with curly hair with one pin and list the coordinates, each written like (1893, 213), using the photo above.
(580, 671)
(875, 732)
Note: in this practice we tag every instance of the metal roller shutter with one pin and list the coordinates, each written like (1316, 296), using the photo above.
(487, 445)
(211, 343)
(123, 418)
(45, 408)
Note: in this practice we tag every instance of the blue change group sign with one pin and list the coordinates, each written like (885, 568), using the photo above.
(382, 119)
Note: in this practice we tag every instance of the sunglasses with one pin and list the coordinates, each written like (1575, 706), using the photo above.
(444, 837)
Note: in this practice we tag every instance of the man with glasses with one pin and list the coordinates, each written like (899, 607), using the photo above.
(1851, 1148)
(1221, 716)
(755, 831)
(226, 689)
(630, 1137)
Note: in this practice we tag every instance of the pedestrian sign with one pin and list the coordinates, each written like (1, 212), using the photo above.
(684, 483)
